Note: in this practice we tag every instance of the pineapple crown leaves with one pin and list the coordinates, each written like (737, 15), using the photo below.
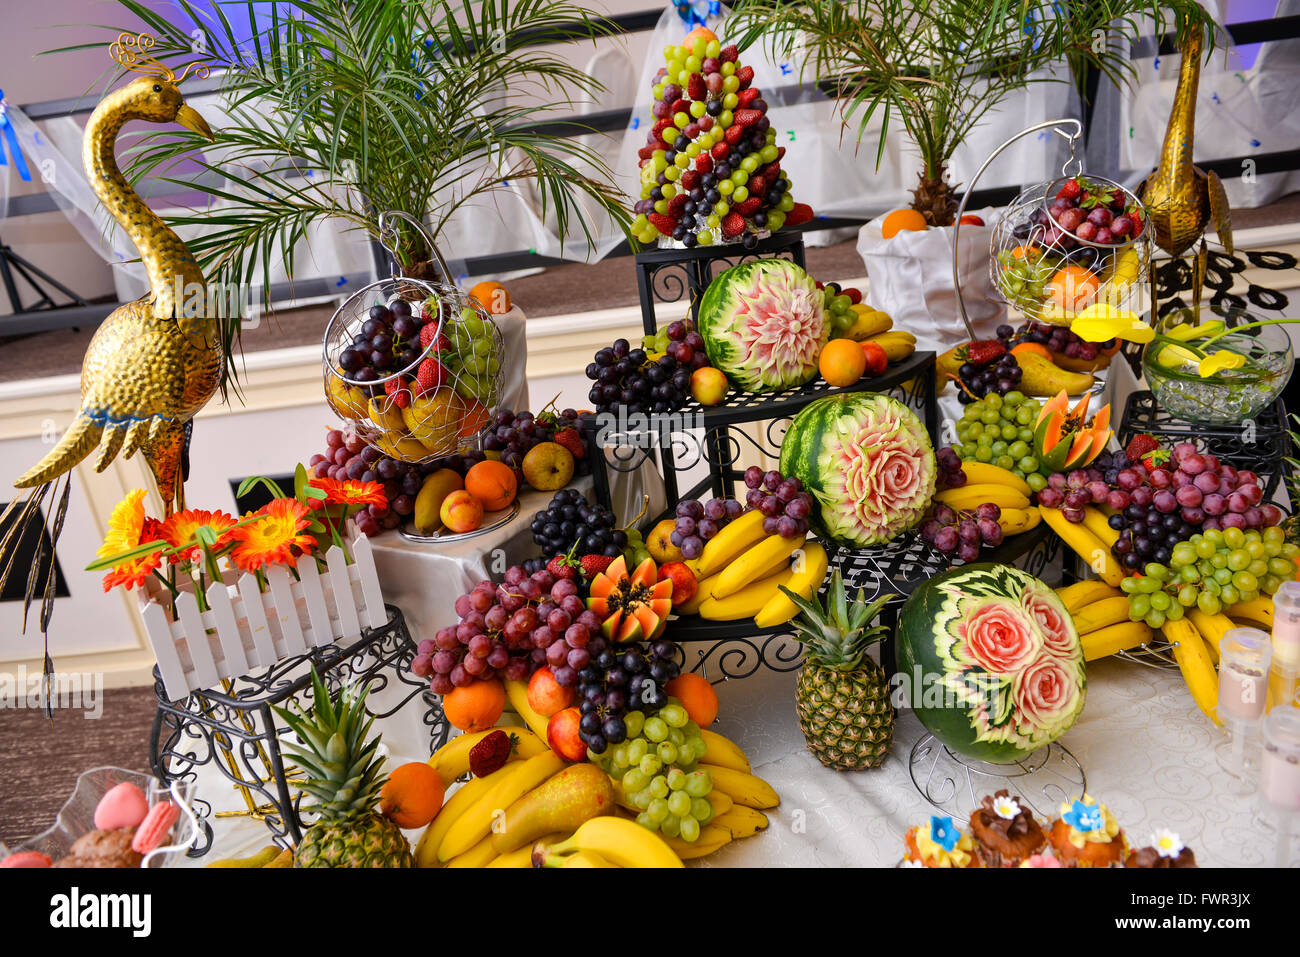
(835, 634)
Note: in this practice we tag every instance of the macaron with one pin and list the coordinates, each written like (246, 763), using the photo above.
(123, 806)
(152, 832)
(26, 859)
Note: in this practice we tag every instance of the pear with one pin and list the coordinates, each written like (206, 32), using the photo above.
(575, 795)
(428, 503)
(1040, 377)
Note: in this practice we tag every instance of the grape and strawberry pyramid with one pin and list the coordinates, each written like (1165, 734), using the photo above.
(711, 170)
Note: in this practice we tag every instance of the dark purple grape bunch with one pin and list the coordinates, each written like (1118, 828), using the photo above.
(618, 679)
(783, 502)
(513, 435)
(961, 533)
(626, 377)
(571, 522)
(686, 345)
(1061, 340)
(950, 470)
(387, 342)
(698, 521)
(988, 369)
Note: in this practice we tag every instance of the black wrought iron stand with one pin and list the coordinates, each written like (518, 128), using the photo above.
(235, 728)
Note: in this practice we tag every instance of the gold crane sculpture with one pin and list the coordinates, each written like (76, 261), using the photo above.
(153, 363)
(1180, 197)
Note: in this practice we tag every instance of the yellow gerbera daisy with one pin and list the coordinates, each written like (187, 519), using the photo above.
(272, 538)
(129, 527)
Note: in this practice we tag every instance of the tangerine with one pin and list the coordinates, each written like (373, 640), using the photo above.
(842, 362)
(492, 483)
(1072, 288)
(412, 796)
(492, 296)
(476, 706)
(1037, 348)
(697, 697)
(901, 219)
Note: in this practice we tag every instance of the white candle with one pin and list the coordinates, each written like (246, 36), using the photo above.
(1244, 655)
(1280, 767)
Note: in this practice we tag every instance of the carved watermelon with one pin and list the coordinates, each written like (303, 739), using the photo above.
(868, 462)
(991, 661)
(764, 324)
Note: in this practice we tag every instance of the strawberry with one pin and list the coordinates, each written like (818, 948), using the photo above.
(426, 337)
(733, 225)
(681, 105)
(664, 224)
(1070, 190)
(593, 565)
(747, 97)
(675, 205)
(572, 441)
(749, 207)
(690, 179)
(800, 213)
(757, 185)
(491, 753)
(746, 76)
(855, 295)
(563, 566)
(704, 162)
(1145, 449)
(735, 133)
(646, 152)
(982, 351)
(730, 53)
(720, 151)
(695, 87)
(430, 376)
(396, 387)
(659, 128)
(746, 118)
(780, 153)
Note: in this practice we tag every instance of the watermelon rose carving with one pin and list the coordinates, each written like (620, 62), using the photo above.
(1003, 650)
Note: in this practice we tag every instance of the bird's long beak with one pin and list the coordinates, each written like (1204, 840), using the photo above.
(189, 118)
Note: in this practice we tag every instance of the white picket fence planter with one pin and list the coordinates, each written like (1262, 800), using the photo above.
(245, 628)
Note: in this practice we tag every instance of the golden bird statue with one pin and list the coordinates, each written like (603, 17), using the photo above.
(1180, 197)
(154, 362)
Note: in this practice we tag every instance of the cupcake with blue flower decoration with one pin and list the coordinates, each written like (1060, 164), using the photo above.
(940, 843)
(1087, 835)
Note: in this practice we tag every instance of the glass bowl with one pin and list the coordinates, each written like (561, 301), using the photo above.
(1229, 396)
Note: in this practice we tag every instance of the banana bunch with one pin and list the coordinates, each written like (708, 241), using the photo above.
(742, 569)
(867, 322)
(898, 345)
(271, 856)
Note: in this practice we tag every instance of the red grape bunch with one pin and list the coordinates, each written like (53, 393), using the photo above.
(783, 502)
(950, 470)
(513, 435)
(698, 521)
(961, 533)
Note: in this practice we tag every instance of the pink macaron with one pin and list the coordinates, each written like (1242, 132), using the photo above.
(152, 832)
(26, 859)
(123, 806)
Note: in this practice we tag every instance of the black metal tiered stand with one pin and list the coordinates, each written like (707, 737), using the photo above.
(235, 729)
(714, 435)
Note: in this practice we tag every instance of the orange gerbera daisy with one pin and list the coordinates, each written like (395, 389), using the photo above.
(129, 527)
(182, 528)
(270, 539)
(351, 492)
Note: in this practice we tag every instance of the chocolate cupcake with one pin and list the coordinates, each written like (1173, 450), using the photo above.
(103, 849)
(1005, 832)
(1166, 851)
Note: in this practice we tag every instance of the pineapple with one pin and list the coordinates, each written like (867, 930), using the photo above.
(344, 777)
(842, 697)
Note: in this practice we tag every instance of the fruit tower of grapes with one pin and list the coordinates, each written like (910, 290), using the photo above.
(710, 169)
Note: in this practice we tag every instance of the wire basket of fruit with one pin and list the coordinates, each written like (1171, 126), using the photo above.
(1065, 245)
(413, 366)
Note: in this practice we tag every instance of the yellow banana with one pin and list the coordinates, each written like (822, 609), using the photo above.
(283, 859)
(711, 838)
(620, 841)
(1083, 593)
(723, 752)
(1095, 521)
(804, 582)
(463, 798)
(972, 496)
(868, 322)
(261, 859)
(745, 789)
(1101, 614)
(751, 564)
(586, 859)
(747, 602)
(986, 473)
(517, 693)
(731, 541)
(720, 802)
(703, 589)
(898, 345)
(1212, 628)
(1015, 521)
(1086, 545)
(451, 761)
(523, 856)
(1258, 611)
(741, 821)
(1112, 639)
(480, 855)
(1194, 662)
(476, 823)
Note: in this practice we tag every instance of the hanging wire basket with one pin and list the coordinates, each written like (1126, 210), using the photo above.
(1039, 262)
(413, 366)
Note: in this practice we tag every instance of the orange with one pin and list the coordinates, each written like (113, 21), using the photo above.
(475, 419)
(1026, 252)
(842, 362)
(1037, 348)
(476, 706)
(901, 219)
(1072, 288)
(697, 697)
(699, 33)
(492, 483)
(412, 795)
(492, 296)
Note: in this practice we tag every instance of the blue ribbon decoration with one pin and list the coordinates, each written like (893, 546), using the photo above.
(686, 10)
(11, 137)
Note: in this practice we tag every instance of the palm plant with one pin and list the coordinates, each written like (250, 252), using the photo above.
(938, 66)
(342, 110)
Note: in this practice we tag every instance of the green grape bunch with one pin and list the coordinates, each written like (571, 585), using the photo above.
(1000, 429)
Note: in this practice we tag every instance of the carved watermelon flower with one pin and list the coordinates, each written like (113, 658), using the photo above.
(1046, 696)
(783, 328)
(1058, 633)
(999, 638)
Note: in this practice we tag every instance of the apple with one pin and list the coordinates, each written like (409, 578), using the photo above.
(547, 696)
(877, 361)
(708, 385)
(548, 466)
(562, 735)
(660, 545)
(970, 219)
(461, 512)
(684, 582)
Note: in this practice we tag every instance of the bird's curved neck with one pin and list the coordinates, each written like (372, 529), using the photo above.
(166, 258)
(1180, 135)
